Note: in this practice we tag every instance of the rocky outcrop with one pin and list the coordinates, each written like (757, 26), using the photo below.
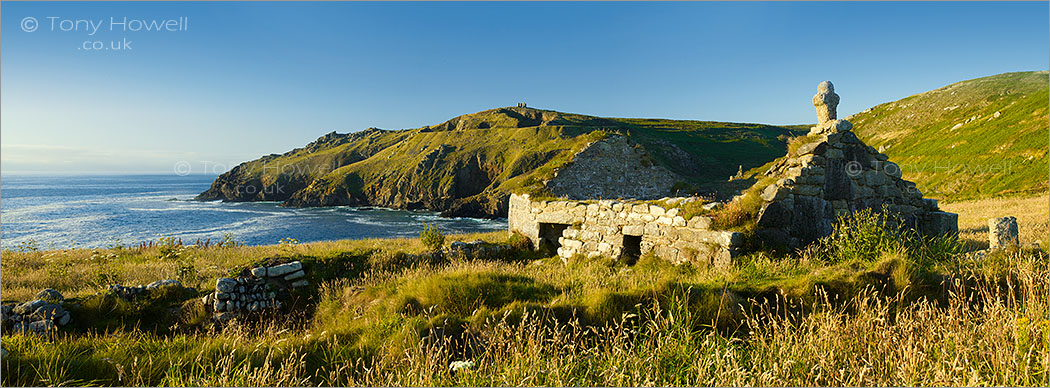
(269, 178)
(613, 167)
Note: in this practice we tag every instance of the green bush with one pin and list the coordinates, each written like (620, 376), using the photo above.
(432, 237)
(862, 235)
(866, 235)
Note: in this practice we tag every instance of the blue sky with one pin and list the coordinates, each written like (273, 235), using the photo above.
(246, 79)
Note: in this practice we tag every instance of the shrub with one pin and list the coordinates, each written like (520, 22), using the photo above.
(186, 273)
(432, 237)
(169, 248)
(862, 235)
(520, 242)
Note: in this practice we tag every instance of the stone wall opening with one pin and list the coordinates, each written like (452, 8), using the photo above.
(550, 233)
(632, 249)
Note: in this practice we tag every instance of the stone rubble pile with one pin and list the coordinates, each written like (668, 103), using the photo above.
(132, 292)
(260, 289)
(476, 249)
(40, 315)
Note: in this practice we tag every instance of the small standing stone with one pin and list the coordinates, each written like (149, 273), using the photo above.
(1002, 232)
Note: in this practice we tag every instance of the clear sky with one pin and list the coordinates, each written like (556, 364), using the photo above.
(238, 80)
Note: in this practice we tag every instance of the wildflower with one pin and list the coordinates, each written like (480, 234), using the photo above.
(456, 366)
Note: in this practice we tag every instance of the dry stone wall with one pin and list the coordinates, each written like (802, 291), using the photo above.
(260, 289)
(621, 229)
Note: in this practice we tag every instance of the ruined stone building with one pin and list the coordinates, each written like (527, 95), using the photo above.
(831, 174)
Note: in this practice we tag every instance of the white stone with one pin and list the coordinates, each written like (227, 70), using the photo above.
(656, 210)
(283, 269)
(632, 230)
(678, 221)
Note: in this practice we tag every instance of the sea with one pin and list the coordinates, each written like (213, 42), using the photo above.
(60, 212)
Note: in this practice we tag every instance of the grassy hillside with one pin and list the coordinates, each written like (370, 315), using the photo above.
(974, 139)
(980, 138)
(468, 164)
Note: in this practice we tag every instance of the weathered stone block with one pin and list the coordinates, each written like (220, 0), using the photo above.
(1002, 232)
(633, 230)
(807, 189)
(283, 269)
(774, 215)
(700, 222)
(808, 221)
(226, 285)
(295, 275)
(815, 148)
(259, 272)
(678, 221)
(929, 204)
(774, 192)
(656, 210)
(652, 229)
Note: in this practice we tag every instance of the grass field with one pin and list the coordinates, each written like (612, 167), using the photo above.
(1032, 215)
(875, 308)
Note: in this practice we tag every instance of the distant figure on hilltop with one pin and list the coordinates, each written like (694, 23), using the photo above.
(521, 105)
(826, 101)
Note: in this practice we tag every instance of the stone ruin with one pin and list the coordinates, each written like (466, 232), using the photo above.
(621, 229)
(833, 173)
(257, 290)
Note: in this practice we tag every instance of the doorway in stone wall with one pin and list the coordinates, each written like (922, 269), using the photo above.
(549, 235)
(632, 249)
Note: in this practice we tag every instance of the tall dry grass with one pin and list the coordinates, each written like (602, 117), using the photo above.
(989, 330)
(1033, 218)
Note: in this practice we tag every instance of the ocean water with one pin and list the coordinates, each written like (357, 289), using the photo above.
(99, 211)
